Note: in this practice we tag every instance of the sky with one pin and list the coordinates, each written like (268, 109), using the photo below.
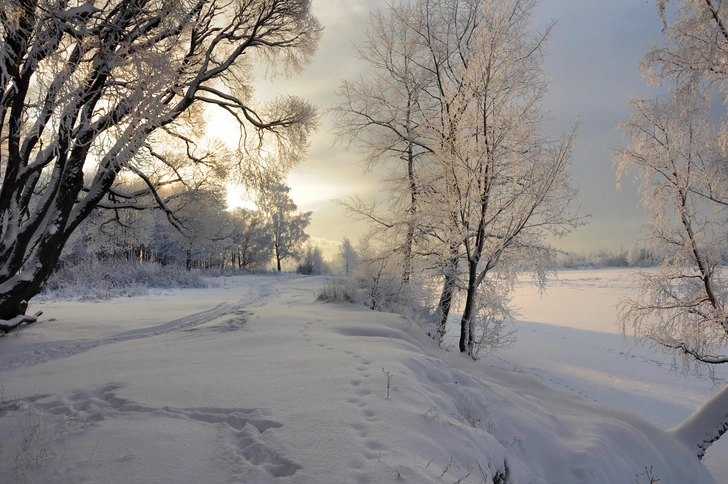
(593, 59)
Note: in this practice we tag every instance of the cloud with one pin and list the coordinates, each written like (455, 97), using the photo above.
(593, 58)
(324, 243)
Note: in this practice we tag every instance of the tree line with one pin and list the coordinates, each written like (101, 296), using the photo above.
(91, 92)
(207, 234)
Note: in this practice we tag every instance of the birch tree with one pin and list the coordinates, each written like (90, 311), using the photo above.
(91, 89)
(678, 157)
(409, 50)
(503, 185)
(457, 87)
(380, 115)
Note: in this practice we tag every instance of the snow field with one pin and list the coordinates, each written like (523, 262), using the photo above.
(568, 340)
(257, 382)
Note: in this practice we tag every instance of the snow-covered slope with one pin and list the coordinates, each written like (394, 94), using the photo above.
(258, 382)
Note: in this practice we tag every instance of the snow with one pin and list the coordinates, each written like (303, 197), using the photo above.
(255, 382)
(81, 12)
(568, 340)
(699, 430)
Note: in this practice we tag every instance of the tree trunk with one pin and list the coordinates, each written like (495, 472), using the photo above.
(278, 259)
(448, 292)
(15, 293)
(407, 262)
(467, 338)
(411, 212)
(444, 305)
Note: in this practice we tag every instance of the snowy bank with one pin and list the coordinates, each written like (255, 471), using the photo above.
(258, 382)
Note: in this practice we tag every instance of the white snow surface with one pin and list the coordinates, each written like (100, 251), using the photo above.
(257, 382)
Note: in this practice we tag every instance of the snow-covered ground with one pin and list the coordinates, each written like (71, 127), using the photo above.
(255, 382)
(568, 339)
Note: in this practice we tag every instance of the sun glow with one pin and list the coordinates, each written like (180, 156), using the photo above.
(239, 197)
(311, 191)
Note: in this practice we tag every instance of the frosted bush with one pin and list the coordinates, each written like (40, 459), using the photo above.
(642, 257)
(339, 289)
(93, 279)
(377, 284)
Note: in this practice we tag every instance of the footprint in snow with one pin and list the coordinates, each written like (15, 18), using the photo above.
(248, 446)
(243, 428)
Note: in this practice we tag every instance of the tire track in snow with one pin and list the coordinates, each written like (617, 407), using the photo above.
(43, 352)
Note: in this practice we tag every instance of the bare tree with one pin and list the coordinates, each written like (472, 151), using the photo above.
(88, 90)
(205, 227)
(381, 115)
(386, 114)
(502, 186)
(250, 238)
(456, 93)
(678, 156)
(349, 256)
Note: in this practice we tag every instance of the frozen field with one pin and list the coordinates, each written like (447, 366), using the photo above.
(257, 382)
(568, 339)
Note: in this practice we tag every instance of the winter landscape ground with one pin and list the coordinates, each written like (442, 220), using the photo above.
(255, 381)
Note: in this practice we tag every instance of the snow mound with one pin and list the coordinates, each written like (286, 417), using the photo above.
(304, 392)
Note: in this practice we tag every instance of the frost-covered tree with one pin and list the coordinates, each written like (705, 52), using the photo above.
(122, 234)
(678, 156)
(91, 89)
(286, 224)
(204, 226)
(380, 115)
(251, 239)
(385, 114)
(312, 262)
(455, 93)
(349, 256)
(503, 185)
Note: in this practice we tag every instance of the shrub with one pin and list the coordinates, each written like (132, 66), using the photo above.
(377, 284)
(339, 289)
(93, 279)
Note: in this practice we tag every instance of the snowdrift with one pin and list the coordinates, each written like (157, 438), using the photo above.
(258, 382)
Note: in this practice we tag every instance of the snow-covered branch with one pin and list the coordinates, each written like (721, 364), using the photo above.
(87, 86)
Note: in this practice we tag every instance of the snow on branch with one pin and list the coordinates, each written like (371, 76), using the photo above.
(8, 325)
(91, 90)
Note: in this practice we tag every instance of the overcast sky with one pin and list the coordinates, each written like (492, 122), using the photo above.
(593, 58)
